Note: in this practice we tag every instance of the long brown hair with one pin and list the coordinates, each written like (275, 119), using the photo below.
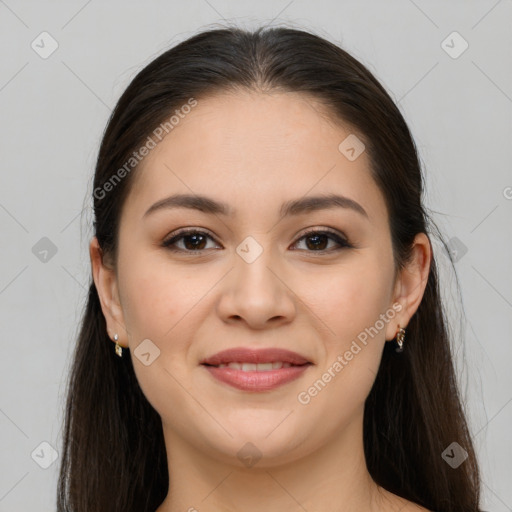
(113, 455)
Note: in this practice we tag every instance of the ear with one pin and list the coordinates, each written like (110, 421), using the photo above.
(105, 280)
(410, 284)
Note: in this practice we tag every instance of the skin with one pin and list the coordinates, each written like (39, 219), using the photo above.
(255, 151)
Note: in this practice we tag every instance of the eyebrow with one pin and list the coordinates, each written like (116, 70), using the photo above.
(293, 207)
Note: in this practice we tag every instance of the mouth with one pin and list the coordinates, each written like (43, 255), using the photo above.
(256, 370)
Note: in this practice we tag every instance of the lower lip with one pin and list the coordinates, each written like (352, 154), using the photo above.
(254, 380)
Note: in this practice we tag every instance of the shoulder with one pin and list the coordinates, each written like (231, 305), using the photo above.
(394, 503)
(408, 506)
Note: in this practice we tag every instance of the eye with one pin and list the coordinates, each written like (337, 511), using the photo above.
(319, 238)
(194, 240)
(194, 237)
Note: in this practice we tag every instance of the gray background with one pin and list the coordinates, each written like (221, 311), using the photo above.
(54, 111)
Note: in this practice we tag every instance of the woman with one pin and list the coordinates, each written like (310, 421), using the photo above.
(264, 328)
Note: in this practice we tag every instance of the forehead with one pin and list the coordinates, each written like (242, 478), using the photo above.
(251, 149)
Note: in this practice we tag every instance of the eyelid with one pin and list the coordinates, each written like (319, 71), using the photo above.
(188, 231)
(323, 230)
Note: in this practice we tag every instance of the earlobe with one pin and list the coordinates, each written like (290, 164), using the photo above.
(106, 284)
(411, 283)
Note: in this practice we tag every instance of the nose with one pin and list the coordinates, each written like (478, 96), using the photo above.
(256, 292)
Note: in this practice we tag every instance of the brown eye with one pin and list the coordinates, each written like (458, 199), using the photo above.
(318, 240)
(193, 240)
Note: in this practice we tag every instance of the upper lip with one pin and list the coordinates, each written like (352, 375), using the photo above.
(249, 355)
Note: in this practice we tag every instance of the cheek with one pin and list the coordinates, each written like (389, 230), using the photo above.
(348, 300)
(350, 306)
(155, 302)
(155, 297)
(162, 303)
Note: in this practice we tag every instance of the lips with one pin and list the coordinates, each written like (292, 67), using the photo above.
(254, 370)
(255, 356)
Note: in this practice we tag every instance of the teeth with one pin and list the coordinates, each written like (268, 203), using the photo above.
(260, 367)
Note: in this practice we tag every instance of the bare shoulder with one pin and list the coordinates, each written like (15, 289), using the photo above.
(413, 507)
(394, 503)
(410, 506)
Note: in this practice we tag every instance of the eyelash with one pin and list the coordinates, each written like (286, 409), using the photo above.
(333, 235)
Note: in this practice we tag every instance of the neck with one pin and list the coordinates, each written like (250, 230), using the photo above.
(333, 478)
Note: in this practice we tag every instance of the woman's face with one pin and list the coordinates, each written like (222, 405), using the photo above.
(250, 279)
